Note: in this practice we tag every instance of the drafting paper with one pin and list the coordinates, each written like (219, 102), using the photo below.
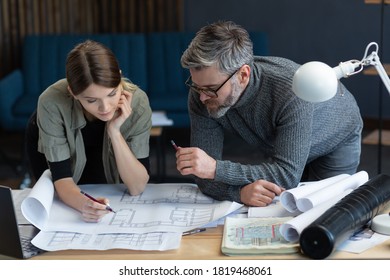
(167, 207)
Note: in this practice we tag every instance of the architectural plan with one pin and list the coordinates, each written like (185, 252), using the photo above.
(174, 207)
(54, 241)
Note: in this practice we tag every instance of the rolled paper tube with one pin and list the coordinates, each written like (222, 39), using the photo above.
(338, 223)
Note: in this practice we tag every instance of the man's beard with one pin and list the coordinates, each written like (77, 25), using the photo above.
(222, 109)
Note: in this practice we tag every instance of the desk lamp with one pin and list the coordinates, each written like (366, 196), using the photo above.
(317, 82)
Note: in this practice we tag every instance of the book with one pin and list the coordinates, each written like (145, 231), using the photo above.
(255, 236)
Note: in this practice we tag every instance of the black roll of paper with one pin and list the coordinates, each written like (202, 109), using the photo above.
(351, 213)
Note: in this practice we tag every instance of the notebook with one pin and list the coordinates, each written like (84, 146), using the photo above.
(255, 236)
(15, 240)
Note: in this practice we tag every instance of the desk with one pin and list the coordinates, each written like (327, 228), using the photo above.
(201, 246)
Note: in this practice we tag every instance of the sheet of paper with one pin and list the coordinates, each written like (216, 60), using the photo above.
(54, 241)
(289, 197)
(239, 213)
(160, 208)
(362, 241)
(275, 209)
(159, 118)
(36, 206)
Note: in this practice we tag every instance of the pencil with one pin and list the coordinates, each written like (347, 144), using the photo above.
(193, 231)
(94, 199)
(174, 145)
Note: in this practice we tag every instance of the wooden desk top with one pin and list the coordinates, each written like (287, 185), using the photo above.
(156, 131)
(201, 246)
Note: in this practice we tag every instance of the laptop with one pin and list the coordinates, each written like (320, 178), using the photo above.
(15, 239)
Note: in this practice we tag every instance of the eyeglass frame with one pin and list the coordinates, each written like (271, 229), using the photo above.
(204, 90)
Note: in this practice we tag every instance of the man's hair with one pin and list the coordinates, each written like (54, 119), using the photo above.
(223, 43)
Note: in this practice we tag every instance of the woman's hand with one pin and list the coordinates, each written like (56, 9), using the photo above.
(69, 193)
(92, 211)
(123, 111)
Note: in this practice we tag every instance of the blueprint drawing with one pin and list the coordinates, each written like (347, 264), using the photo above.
(175, 207)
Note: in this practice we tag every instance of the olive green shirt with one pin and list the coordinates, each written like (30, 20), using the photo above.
(60, 119)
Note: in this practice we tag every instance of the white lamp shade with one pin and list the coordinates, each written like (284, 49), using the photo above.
(315, 82)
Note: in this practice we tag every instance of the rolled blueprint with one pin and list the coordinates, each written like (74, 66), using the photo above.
(292, 229)
(339, 222)
(290, 197)
(316, 198)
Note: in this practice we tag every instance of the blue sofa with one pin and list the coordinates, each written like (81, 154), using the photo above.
(150, 60)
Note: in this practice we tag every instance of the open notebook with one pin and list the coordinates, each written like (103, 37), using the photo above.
(15, 239)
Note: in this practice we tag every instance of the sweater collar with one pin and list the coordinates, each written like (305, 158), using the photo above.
(251, 89)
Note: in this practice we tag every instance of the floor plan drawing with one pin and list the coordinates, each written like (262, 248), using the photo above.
(175, 207)
(178, 216)
(54, 241)
(182, 193)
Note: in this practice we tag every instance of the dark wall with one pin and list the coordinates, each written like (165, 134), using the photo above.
(330, 31)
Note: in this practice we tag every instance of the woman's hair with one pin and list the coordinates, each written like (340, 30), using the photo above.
(92, 63)
(224, 43)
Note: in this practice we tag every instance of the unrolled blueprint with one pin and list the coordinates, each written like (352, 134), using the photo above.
(54, 241)
(160, 208)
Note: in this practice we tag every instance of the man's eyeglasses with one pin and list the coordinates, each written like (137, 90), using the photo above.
(207, 91)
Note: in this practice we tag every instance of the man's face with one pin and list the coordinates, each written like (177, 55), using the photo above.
(228, 93)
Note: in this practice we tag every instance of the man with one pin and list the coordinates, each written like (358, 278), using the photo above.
(232, 90)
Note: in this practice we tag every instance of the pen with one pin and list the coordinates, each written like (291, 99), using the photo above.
(174, 145)
(194, 231)
(94, 199)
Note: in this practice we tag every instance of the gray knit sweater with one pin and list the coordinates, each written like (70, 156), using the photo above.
(289, 131)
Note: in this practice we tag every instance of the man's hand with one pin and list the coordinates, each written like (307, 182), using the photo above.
(259, 193)
(195, 161)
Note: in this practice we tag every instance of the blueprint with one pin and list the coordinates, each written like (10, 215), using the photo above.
(175, 207)
(54, 241)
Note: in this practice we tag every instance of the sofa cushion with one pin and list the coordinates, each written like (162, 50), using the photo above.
(24, 104)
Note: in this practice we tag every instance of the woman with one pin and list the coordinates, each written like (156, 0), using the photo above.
(92, 127)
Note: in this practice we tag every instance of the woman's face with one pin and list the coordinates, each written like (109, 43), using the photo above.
(100, 102)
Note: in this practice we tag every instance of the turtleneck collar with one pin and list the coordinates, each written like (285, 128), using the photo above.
(252, 88)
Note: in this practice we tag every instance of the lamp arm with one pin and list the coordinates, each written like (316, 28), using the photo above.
(373, 59)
